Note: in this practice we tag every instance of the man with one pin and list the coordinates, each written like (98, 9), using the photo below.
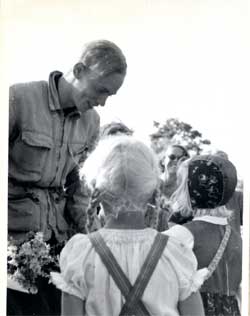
(52, 126)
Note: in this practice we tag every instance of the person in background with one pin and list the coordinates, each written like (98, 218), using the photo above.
(207, 183)
(174, 156)
(99, 269)
(52, 127)
(114, 128)
(235, 204)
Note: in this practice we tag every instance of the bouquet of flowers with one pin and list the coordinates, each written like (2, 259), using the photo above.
(31, 260)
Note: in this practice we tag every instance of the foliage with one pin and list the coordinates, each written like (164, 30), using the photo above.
(174, 131)
(31, 260)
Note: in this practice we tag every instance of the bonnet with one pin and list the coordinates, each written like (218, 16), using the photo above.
(211, 181)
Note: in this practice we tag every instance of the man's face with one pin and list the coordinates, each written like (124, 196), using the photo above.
(90, 89)
(174, 156)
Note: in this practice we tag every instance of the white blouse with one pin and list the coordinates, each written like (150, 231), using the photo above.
(84, 275)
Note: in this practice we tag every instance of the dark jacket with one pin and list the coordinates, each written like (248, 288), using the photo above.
(235, 204)
(45, 148)
(207, 238)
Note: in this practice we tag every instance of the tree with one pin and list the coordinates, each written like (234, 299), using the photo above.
(174, 131)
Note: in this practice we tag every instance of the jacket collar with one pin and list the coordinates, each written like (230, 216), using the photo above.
(212, 219)
(54, 103)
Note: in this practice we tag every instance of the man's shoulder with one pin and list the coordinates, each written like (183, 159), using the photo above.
(27, 87)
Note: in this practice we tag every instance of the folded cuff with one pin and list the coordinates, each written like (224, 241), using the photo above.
(58, 280)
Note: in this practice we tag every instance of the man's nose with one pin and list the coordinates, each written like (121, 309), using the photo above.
(102, 99)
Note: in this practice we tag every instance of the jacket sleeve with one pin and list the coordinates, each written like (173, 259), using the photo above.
(240, 201)
(78, 194)
(94, 133)
(13, 130)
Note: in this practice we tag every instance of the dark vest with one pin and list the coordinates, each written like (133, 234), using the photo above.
(207, 238)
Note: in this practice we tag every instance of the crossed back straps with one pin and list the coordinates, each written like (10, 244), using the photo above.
(132, 294)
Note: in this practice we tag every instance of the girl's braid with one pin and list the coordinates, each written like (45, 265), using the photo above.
(93, 222)
(158, 212)
(153, 210)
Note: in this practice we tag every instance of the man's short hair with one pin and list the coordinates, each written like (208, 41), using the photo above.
(105, 56)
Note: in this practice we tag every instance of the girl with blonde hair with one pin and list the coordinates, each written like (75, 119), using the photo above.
(125, 268)
(206, 183)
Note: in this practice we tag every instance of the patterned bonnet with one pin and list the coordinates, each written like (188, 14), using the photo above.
(211, 181)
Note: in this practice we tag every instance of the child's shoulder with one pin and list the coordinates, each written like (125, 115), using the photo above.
(76, 250)
(179, 251)
(181, 235)
(78, 238)
(75, 243)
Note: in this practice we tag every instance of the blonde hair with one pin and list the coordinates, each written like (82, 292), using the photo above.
(124, 172)
(180, 199)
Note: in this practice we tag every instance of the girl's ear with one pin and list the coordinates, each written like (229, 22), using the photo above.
(79, 70)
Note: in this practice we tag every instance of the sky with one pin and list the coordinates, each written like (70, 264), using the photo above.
(187, 59)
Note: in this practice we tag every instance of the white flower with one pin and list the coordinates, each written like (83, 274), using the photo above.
(39, 236)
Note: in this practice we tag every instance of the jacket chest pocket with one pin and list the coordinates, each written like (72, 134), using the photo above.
(24, 214)
(30, 152)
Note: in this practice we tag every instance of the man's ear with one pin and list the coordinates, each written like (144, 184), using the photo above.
(79, 69)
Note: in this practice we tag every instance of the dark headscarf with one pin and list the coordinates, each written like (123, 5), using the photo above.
(211, 181)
